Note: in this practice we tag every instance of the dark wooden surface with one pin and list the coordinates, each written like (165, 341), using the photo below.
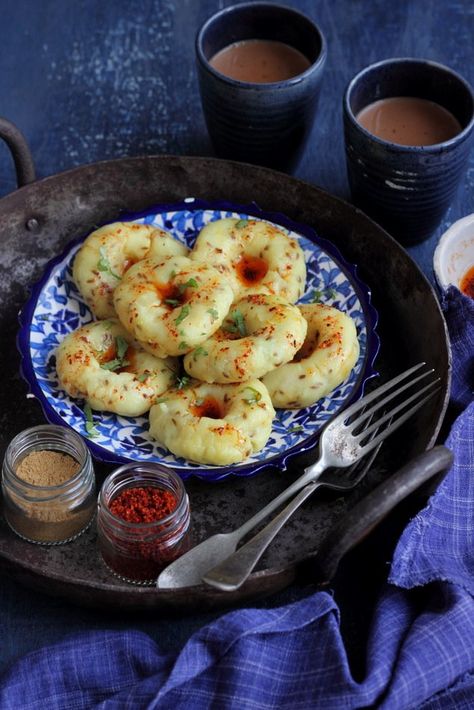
(86, 81)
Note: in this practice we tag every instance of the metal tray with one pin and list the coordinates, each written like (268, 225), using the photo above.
(38, 220)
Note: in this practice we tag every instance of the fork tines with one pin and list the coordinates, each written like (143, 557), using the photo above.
(402, 406)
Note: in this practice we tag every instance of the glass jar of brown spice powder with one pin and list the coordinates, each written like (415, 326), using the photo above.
(48, 485)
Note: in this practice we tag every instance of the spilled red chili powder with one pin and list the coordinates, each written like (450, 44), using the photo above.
(467, 283)
(143, 504)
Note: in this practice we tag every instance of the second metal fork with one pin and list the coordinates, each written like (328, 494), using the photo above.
(233, 571)
(346, 439)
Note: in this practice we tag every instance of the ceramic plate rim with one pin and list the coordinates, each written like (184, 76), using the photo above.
(217, 473)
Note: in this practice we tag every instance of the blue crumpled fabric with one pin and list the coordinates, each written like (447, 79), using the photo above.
(420, 650)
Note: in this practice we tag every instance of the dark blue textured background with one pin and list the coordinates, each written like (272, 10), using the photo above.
(87, 80)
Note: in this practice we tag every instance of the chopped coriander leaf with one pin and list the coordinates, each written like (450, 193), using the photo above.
(241, 223)
(295, 429)
(90, 428)
(190, 283)
(214, 314)
(199, 351)
(172, 274)
(238, 325)
(316, 297)
(184, 312)
(172, 301)
(104, 265)
(182, 345)
(122, 346)
(112, 364)
(182, 382)
(326, 293)
(254, 396)
(199, 402)
(143, 376)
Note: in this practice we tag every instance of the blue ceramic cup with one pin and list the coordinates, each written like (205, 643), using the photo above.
(407, 189)
(262, 123)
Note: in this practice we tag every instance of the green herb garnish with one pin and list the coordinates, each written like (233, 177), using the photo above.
(90, 428)
(112, 365)
(172, 302)
(214, 314)
(144, 376)
(295, 429)
(104, 265)
(182, 382)
(254, 396)
(238, 325)
(121, 347)
(190, 283)
(326, 293)
(184, 312)
(183, 345)
(199, 351)
(241, 223)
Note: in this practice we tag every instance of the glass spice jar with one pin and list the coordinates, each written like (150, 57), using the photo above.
(48, 514)
(136, 552)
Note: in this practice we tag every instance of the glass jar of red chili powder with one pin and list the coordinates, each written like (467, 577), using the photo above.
(143, 521)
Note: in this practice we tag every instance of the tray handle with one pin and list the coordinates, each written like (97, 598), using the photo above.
(371, 510)
(24, 166)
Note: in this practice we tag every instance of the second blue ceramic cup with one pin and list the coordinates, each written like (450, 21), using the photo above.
(261, 123)
(405, 188)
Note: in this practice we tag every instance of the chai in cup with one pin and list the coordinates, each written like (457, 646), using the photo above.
(260, 61)
(408, 127)
(260, 68)
(407, 120)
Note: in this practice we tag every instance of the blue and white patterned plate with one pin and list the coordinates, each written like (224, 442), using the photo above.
(55, 308)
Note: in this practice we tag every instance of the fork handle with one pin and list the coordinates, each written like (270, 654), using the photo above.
(310, 475)
(232, 573)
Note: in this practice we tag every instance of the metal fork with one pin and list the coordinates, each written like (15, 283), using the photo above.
(344, 440)
(234, 570)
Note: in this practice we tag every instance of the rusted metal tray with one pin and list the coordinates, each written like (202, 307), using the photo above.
(37, 222)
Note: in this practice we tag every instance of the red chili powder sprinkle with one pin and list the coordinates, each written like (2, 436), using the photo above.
(467, 283)
(143, 504)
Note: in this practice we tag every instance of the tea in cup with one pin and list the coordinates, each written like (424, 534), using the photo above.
(408, 126)
(260, 68)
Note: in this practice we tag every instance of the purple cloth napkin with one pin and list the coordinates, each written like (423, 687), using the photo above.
(459, 314)
(420, 651)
